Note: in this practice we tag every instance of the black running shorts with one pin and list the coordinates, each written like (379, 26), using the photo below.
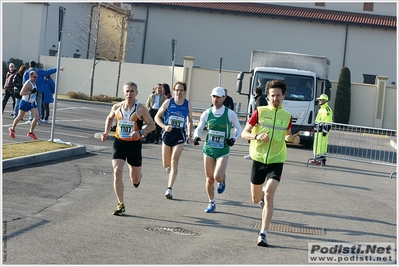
(262, 172)
(174, 137)
(129, 151)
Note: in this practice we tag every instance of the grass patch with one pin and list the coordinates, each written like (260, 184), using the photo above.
(30, 148)
(97, 98)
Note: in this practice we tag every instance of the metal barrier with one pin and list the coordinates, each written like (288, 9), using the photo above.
(357, 143)
(242, 116)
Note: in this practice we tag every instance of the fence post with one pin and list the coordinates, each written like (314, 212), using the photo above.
(188, 65)
(380, 101)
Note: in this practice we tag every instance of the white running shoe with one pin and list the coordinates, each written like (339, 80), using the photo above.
(262, 240)
(168, 194)
(248, 157)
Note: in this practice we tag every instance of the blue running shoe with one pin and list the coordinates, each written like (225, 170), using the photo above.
(211, 207)
(222, 187)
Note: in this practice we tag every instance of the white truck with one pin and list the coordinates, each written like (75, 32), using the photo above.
(306, 77)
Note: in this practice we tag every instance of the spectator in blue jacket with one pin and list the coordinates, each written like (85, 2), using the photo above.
(41, 73)
(49, 90)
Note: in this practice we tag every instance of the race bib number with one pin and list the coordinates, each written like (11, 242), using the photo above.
(216, 139)
(176, 121)
(125, 128)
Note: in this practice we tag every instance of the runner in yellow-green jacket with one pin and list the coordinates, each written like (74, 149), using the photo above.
(268, 129)
(323, 121)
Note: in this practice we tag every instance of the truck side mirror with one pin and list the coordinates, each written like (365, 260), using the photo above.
(240, 76)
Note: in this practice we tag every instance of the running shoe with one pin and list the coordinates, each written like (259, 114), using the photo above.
(137, 185)
(167, 170)
(262, 240)
(31, 134)
(12, 132)
(261, 203)
(120, 209)
(211, 207)
(222, 186)
(28, 122)
(248, 157)
(44, 121)
(168, 193)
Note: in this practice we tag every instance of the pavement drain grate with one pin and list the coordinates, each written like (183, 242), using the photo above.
(171, 231)
(293, 229)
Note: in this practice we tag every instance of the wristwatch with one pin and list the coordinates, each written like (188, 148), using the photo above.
(256, 135)
(141, 132)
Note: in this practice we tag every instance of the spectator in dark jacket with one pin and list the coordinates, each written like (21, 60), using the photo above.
(9, 86)
(260, 100)
(228, 102)
(17, 88)
(166, 90)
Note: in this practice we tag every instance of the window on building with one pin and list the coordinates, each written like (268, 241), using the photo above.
(368, 6)
(319, 4)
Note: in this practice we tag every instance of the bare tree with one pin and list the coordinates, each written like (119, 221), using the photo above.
(125, 43)
(103, 34)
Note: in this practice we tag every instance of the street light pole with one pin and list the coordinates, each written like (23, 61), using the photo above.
(220, 72)
(174, 42)
(62, 11)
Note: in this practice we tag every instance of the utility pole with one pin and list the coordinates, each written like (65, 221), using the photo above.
(62, 11)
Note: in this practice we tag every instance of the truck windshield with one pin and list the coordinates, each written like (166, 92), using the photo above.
(299, 88)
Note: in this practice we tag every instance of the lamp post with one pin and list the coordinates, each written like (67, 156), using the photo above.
(220, 72)
(62, 11)
(173, 58)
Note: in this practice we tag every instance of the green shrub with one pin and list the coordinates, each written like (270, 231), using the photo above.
(99, 98)
(78, 95)
(102, 98)
(342, 106)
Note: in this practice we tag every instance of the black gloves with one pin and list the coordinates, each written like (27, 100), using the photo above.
(34, 90)
(326, 129)
(196, 141)
(230, 141)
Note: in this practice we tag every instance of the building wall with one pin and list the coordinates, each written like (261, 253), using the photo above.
(21, 34)
(75, 79)
(208, 36)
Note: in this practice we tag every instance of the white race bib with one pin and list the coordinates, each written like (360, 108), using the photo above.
(176, 121)
(125, 128)
(216, 139)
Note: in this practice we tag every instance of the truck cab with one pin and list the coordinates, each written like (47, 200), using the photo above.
(303, 87)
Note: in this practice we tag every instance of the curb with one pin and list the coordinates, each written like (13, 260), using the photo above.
(45, 156)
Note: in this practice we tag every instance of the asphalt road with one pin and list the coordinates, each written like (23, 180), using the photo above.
(60, 211)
